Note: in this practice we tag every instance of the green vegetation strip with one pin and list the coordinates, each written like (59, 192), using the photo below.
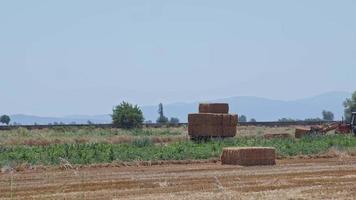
(143, 149)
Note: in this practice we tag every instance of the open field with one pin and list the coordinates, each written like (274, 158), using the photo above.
(161, 163)
(319, 178)
(27, 148)
(65, 135)
(144, 150)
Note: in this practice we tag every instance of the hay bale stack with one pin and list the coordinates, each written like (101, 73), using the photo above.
(248, 156)
(301, 132)
(212, 125)
(277, 135)
(214, 108)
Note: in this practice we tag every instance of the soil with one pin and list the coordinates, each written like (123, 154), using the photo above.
(297, 178)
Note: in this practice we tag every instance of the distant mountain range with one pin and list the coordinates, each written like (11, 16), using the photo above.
(262, 109)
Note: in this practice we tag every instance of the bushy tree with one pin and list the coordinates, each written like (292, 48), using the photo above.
(161, 119)
(5, 119)
(350, 106)
(253, 120)
(174, 121)
(328, 115)
(127, 116)
(242, 118)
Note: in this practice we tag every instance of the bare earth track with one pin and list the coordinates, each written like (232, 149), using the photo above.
(321, 178)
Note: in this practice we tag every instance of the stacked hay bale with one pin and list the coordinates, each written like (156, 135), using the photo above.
(248, 156)
(212, 120)
(213, 108)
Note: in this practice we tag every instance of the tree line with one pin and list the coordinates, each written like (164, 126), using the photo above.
(127, 115)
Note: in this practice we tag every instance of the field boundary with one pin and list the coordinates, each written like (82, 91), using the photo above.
(155, 125)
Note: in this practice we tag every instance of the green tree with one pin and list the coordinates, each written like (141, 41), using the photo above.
(127, 116)
(242, 118)
(161, 119)
(350, 106)
(174, 121)
(328, 115)
(5, 119)
(253, 120)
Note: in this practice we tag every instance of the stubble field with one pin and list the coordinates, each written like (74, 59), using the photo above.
(315, 178)
(164, 164)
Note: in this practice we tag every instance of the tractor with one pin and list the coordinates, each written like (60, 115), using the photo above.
(353, 123)
(339, 127)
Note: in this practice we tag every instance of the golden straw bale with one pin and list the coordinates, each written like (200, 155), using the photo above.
(301, 132)
(213, 108)
(248, 156)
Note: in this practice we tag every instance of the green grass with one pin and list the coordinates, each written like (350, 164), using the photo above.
(143, 149)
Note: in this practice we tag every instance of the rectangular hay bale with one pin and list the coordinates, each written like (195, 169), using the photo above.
(301, 132)
(229, 131)
(229, 119)
(248, 156)
(205, 119)
(213, 108)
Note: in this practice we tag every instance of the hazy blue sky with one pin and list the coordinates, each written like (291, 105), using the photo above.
(82, 57)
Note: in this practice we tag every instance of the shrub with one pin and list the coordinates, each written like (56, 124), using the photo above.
(5, 119)
(174, 121)
(350, 106)
(242, 118)
(127, 116)
(253, 120)
(328, 115)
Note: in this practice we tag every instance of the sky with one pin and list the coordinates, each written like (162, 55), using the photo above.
(83, 57)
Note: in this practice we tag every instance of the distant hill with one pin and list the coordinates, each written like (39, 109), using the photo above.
(262, 109)
(78, 119)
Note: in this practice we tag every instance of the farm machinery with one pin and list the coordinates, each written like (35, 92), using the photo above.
(353, 123)
(339, 127)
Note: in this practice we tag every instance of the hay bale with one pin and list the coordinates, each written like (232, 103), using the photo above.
(301, 132)
(212, 119)
(211, 131)
(212, 125)
(229, 119)
(276, 135)
(213, 108)
(229, 131)
(248, 156)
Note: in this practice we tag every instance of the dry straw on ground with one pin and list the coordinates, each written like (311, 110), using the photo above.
(248, 156)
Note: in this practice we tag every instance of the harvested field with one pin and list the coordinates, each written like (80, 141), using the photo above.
(63, 135)
(321, 178)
